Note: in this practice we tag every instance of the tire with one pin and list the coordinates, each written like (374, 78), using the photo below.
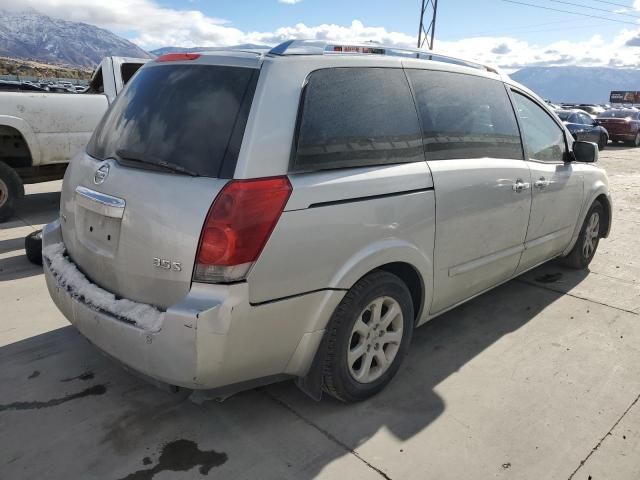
(636, 141)
(11, 190)
(581, 255)
(340, 371)
(602, 144)
(33, 247)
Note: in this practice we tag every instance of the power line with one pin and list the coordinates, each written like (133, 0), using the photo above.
(596, 8)
(614, 3)
(570, 12)
(526, 30)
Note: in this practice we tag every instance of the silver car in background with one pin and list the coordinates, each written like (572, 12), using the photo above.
(239, 218)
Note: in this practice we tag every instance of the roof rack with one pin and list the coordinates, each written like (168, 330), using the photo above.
(321, 47)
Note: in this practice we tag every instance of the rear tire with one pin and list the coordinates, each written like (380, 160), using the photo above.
(368, 337)
(11, 190)
(585, 248)
(33, 247)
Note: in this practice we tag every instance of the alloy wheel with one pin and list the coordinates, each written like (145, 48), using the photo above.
(4, 193)
(375, 340)
(591, 236)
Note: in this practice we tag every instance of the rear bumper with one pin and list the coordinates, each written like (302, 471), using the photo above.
(212, 338)
(622, 136)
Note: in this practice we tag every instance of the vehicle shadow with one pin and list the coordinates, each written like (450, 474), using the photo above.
(34, 210)
(15, 266)
(619, 146)
(39, 208)
(57, 382)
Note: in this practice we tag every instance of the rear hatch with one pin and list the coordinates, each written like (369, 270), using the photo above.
(134, 204)
(616, 123)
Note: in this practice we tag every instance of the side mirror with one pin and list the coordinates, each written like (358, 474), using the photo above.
(585, 152)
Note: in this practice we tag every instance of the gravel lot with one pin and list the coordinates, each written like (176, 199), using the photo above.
(538, 379)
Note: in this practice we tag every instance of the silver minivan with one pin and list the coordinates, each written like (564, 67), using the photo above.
(241, 217)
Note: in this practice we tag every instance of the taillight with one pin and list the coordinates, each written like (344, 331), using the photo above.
(177, 57)
(237, 227)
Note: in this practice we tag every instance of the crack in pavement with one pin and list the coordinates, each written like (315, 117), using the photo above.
(329, 436)
(594, 449)
(534, 284)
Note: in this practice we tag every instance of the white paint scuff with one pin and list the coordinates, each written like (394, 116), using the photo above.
(80, 288)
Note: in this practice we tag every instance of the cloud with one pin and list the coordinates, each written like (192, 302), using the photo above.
(290, 2)
(501, 49)
(151, 25)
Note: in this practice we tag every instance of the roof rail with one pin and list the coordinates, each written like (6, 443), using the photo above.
(321, 47)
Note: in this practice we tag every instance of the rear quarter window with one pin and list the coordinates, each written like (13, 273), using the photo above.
(353, 117)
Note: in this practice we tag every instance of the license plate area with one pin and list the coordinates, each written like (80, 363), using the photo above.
(98, 221)
(98, 233)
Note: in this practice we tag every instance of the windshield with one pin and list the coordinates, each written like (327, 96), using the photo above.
(178, 116)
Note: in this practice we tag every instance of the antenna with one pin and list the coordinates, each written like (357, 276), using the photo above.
(425, 35)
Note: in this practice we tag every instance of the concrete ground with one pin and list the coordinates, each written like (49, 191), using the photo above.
(538, 379)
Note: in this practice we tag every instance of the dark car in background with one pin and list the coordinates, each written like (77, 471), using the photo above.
(583, 127)
(622, 125)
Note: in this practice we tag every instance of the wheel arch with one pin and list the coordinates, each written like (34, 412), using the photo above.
(18, 126)
(399, 258)
(599, 191)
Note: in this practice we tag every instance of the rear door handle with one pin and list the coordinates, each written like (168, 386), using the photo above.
(519, 186)
(542, 183)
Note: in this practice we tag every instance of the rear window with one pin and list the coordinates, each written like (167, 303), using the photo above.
(191, 117)
(465, 116)
(617, 114)
(355, 117)
(564, 115)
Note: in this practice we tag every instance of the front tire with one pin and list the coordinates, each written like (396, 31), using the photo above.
(602, 144)
(11, 190)
(636, 141)
(368, 337)
(585, 248)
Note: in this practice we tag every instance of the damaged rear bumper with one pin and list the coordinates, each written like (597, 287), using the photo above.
(212, 338)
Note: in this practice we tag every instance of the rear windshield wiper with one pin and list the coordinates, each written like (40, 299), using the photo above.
(128, 156)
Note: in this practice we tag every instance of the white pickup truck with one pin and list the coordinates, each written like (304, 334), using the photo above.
(41, 132)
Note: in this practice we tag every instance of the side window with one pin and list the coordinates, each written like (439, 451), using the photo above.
(465, 116)
(543, 137)
(127, 70)
(353, 117)
(574, 119)
(96, 85)
(585, 119)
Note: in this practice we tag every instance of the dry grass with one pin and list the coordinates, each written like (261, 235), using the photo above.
(14, 66)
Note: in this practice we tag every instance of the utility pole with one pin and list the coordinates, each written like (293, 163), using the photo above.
(425, 35)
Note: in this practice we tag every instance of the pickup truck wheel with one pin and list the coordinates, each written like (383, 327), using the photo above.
(33, 247)
(11, 190)
(368, 337)
(585, 248)
(636, 141)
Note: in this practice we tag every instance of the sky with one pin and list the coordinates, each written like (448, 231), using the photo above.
(507, 33)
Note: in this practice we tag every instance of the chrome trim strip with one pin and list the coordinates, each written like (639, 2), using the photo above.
(101, 203)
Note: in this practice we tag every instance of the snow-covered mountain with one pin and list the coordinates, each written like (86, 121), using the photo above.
(31, 35)
(578, 84)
